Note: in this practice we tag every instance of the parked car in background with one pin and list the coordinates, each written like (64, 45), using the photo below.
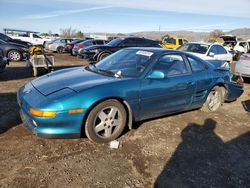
(14, 52)
(207, 51)
(58, 45)
(6, 38)
(69, 46)
(234, 46)
(132, 84)
(173, 42)
(28, 36)
(243, 65)
(98, 52)
(79, 47)
(3, 61)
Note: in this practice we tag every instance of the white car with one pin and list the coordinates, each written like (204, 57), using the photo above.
(207, 51)
(243, 65)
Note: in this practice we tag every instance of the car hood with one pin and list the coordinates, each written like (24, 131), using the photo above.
(17, 45)
(76, 79)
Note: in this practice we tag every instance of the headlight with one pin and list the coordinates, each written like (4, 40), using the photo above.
(94, 51)
(25, 49)
(42, 113)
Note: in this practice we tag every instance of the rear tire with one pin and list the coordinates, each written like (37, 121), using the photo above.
(214, 100)
(59, 50)
(106, 121)
(102, 56)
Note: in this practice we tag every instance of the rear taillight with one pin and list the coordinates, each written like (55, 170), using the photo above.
(245, 57)
(79, 46)
(69, 46)
(237, 78)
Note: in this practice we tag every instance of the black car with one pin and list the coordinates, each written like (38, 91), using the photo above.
(3, 61)
(68, 48)
(16, 41)
(98, 52)
(13, 51)
(79, 47)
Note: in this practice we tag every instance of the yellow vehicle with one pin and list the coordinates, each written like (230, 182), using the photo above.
(173, 42)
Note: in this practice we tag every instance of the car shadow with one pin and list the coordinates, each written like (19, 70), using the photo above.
(202, 159)
(9, 115)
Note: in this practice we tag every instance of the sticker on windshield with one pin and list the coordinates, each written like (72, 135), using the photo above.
(145, 53)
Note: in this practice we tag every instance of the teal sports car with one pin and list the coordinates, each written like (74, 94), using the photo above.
(130, 85)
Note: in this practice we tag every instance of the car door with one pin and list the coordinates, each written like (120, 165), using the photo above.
(219, 53)
(172, 93)
(203, 79)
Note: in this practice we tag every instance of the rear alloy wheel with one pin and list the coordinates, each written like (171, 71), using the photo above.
(14, 55)
(106, 121)
(102, 56)
(59, 49)
(214, 100)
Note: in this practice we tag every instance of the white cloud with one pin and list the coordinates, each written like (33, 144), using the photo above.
(239, 8)
(62, 12)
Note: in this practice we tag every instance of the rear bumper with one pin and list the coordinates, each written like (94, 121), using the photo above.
(243, 68)
(234, 91)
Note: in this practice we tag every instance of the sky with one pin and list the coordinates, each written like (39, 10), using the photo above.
(124, 16)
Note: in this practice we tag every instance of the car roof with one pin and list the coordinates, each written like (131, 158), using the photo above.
(154, 49)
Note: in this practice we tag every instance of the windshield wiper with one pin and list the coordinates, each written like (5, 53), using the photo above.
(110, 72)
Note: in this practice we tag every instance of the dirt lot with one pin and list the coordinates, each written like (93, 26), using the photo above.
(191, 149)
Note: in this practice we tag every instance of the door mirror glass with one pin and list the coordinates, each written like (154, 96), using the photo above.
(156, 75)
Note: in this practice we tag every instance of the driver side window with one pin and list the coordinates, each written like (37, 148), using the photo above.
(172, 65)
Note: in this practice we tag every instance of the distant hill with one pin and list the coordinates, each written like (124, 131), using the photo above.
(243, 33)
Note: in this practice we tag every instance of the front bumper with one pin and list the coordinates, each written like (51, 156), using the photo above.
(63, 125)
(89, 55)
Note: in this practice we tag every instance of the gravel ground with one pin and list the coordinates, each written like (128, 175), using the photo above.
(191, 149)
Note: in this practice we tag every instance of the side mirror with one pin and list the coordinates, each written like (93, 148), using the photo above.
(156, 75)
(211, 54)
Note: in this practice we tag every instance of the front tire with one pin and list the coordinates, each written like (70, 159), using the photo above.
(106, 121)
(214, 100)
(14, 55)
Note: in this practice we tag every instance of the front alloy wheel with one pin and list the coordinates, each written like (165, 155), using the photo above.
(106, 121)
(14, 55)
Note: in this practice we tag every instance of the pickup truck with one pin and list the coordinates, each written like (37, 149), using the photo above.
(31, 37)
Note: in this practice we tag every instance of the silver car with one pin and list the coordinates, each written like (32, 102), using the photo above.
(78, 48)
(243, 65)
(58, 45)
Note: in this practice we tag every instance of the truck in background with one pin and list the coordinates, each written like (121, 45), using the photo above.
(28, 36)
(172, 42)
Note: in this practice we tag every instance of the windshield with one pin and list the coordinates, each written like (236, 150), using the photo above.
(125, 63)
(115, 42)
(5, 37)
(196, 48)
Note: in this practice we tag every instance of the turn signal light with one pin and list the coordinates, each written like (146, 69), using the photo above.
(74, 111)
(42, 113)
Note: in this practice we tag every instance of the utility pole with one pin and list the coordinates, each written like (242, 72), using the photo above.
(159, 28)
